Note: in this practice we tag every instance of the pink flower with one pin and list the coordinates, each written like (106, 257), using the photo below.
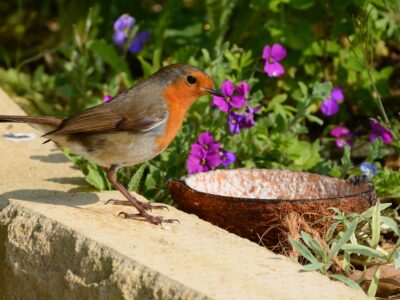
(207, 154)
(343, 136)
(272, 56)
(330, 105)
(107, 98)
(233, 97)
(378, 131)
(204, 154)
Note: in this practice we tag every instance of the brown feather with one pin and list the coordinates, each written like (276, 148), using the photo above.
(138, 110)
(42, 120)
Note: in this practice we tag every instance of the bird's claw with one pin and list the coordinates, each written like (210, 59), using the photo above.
(118, 202)
(148, 206)
(146, 217)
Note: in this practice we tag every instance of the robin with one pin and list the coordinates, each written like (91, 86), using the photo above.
(131, 128)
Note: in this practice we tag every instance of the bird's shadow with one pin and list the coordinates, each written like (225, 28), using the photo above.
(49, 196)
(77, 180)
(55, 158)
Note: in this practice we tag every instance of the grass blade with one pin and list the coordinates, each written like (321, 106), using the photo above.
(347, 281)
(303, 250)
(363, 250)
(396, 259)
(312, 267)
(343, 240)
(375, 225)
(391, 223)
(311, 242)
(136, 178)
(373, 287)
(368, 213)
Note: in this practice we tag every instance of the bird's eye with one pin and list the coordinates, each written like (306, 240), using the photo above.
(191, 80)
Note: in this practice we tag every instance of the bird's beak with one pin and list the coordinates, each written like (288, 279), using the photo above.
(214, 92)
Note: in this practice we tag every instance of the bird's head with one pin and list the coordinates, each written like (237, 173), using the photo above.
(185, 83)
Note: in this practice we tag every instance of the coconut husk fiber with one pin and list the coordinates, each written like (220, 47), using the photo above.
(258, 204)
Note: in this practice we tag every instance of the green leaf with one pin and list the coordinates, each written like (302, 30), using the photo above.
(279, 98)
(312, 242)
(331, 230)
(386, 72)
(347, 281)
(303, 88)
(303, 250)
(375, 225)
(392, 224)
(374, 282)
(386, 182)
(312, 267)
(108, 53)
(343, 240)
(396, 259)
(303, 154)
(134, 183)
(298, 34)
(322, 90)
(355, 64)
(314, 119)
(218, 14)
(363, 250)
(301, 4)
(368, 213)
(95, 177)
(146, 66)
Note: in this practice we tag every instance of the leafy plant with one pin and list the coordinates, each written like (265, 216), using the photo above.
(357, 243)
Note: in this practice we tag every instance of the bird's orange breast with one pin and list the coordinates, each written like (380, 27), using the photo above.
(178, 99)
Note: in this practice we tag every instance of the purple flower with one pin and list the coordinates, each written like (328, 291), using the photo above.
(106, 98)
(234, 121)
(200, 160)
(330, 105)
(227, 157)
(231, 99)
(248, 120)
(204, 154)
(137, 43)
(368, 169)
(122, 27)
(272, 55)
(124, 23)
(206, 141)
(120, 38)
(243, 89)
(343, 136)
(378, 131)
(337, 94)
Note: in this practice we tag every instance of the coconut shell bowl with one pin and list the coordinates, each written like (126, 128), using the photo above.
(258, 204)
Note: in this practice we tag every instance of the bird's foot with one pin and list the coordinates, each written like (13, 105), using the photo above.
(145, 206)
(144, 216)
(119, 202)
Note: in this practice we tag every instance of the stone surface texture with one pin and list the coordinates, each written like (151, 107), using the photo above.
(58, 240)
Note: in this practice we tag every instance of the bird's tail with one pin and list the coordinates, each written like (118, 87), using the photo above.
(43, 123)
(42, 120)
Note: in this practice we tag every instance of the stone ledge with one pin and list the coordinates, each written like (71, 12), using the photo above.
(57, 242)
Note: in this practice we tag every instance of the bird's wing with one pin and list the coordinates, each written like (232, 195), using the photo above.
(127, 112)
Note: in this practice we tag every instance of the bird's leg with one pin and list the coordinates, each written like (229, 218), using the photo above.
(141, 207)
